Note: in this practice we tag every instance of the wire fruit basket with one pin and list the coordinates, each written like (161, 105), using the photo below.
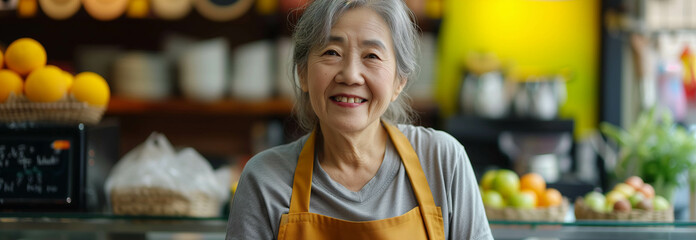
(584, 212)
(550, 214)
(66, 110)
(156, 201)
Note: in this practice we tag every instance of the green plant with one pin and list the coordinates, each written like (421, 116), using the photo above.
(658, 150)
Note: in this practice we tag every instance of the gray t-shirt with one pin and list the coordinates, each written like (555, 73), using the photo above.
(265, 187)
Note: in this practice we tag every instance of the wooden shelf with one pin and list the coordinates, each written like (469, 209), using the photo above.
(222, 128)
(122, 106)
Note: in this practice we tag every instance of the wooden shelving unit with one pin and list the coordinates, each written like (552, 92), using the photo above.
(220, 128)
(277, 106)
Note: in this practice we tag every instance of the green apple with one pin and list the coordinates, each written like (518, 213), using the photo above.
(636, 198)
(506, 182)
(660, 203)
(493, 199)
(487, 179)
(595, 201)
(523, 200)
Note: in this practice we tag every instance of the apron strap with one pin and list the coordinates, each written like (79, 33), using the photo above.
(412, 166)
(420, 184)
(302, 183)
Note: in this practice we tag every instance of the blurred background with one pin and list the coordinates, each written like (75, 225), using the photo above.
(522, 84)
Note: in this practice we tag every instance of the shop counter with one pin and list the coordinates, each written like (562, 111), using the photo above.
(105, 226)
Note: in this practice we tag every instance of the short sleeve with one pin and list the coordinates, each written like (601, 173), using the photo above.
(468, 220)
(249, 218)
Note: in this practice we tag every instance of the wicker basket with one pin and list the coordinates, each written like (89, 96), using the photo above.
(155, 201)
(550, 214)
(584, 212)
(67, 110)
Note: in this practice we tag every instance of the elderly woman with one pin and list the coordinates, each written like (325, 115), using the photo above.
(362, 172)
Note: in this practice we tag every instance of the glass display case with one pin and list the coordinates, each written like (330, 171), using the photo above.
(104, 226)
(592, 230)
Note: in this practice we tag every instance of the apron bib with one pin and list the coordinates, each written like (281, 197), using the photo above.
(422, 222)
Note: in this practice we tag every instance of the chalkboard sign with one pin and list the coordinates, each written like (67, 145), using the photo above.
(55, 167)
(42, 167)
(36, 169)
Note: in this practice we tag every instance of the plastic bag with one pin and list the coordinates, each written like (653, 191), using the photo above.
(153, 179)
(198, 175)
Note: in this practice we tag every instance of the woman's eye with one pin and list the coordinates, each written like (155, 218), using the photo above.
(372, 55)
(331, 53)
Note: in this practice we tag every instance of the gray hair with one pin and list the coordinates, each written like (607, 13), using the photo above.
(313, 29)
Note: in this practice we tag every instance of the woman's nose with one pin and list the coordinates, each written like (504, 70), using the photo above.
(351, 72)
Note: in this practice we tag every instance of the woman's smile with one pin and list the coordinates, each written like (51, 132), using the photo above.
(348, 101)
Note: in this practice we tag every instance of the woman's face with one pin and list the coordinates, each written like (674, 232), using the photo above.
(352, 79)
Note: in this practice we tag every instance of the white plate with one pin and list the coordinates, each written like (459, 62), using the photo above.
(171, 9)
(105, 10)
(222, 10)
(59, 9)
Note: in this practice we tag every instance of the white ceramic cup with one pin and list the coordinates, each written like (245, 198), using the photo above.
(203, 70)
(252, 77)
(284, 72)
(142, 75)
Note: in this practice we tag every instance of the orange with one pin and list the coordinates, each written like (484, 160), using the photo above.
(45, 84)
(25, 55)
(533, 182)
(91, 88)
(10, 82)
(68, 79)
(551, 197)
(0, 59)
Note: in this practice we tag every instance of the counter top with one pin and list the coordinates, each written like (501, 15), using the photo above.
(78, 224)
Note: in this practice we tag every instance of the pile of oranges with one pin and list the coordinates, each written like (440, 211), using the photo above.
(28, 75)
(503, 188)
(546, 197)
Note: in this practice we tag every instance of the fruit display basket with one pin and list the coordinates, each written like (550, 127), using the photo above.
(550, 214)
(584, 212)
(67, 110)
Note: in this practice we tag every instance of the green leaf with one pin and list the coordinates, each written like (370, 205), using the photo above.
(654, 147)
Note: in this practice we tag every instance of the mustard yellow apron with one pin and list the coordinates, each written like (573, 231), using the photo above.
(422, 222)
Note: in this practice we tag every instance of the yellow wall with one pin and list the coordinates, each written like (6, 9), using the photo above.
(543, 34)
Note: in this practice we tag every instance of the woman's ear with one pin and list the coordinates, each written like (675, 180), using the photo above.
(400, 84)
(302, 74)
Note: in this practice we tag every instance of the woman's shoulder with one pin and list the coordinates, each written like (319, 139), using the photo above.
(436, 149)
(425, 136)
(280, 160)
